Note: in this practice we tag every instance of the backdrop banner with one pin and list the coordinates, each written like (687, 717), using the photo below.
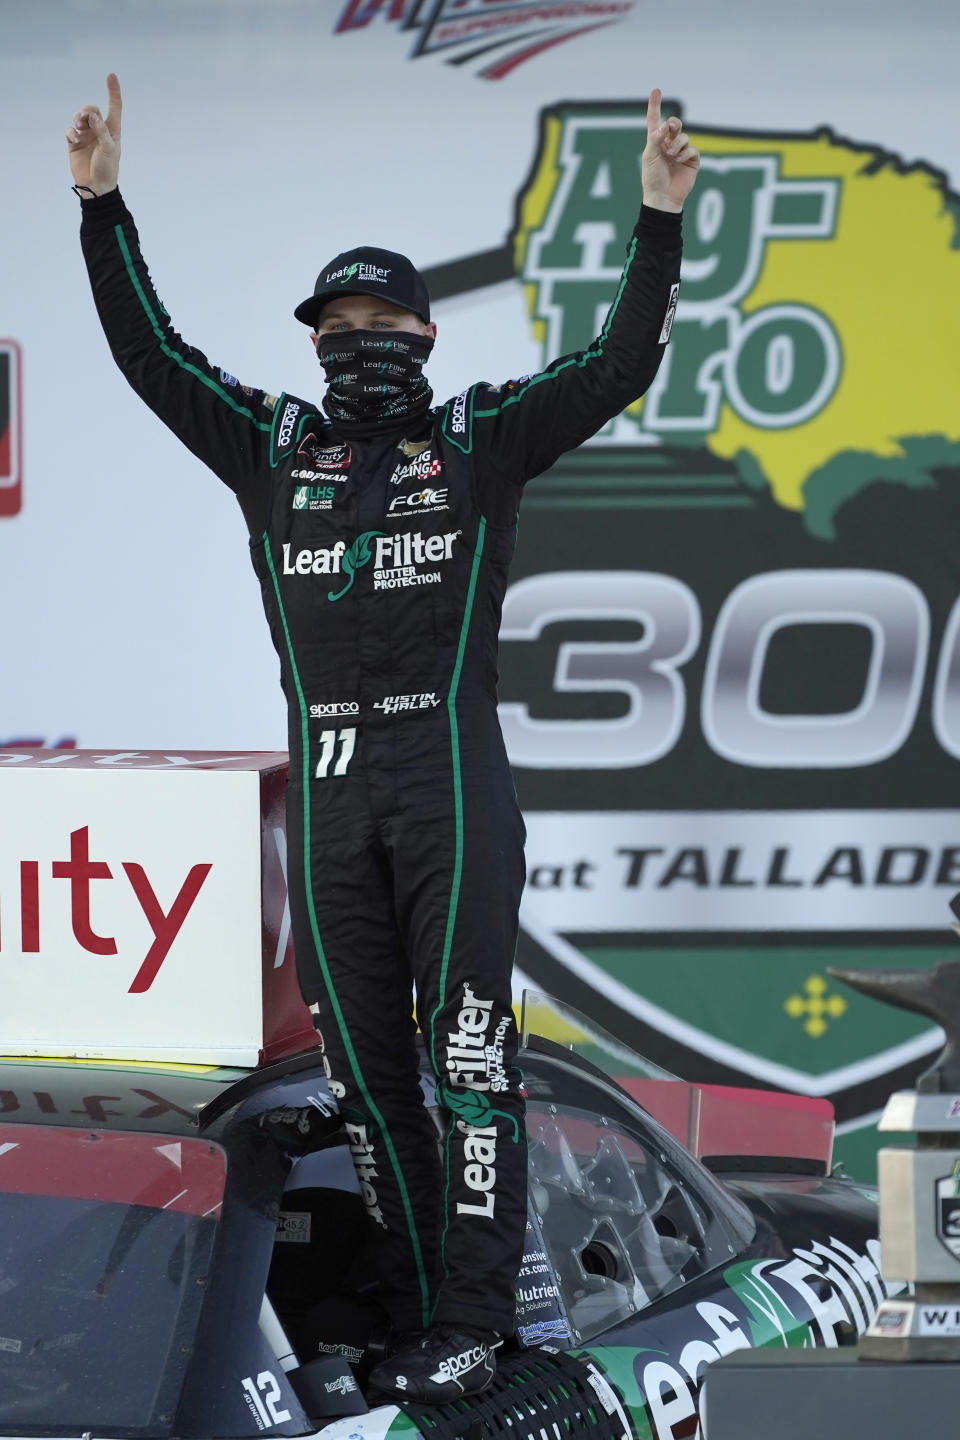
(730, 675)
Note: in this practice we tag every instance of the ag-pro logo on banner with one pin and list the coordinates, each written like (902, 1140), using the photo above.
(814, 343)
(11, 446)
(730, 652)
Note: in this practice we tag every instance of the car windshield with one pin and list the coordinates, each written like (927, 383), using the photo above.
(105, 1241)
(544, 1015)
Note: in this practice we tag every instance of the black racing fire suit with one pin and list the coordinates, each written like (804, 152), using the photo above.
(383, 565)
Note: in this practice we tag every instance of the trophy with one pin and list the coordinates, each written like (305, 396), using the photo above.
(920, 1189)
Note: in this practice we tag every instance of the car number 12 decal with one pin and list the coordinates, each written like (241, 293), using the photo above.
(265, 1411)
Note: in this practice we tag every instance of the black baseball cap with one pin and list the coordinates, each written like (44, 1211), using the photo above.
(367, 270)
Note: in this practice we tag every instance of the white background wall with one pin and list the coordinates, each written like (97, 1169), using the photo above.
(257, 144)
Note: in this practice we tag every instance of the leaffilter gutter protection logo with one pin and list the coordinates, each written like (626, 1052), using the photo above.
(355, 558)
(494, 37)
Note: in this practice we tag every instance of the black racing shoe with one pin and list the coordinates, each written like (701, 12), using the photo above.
(447, 1364)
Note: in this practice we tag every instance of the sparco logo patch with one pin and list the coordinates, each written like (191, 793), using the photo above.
(458, 420)
(335, 707)
(287, 422)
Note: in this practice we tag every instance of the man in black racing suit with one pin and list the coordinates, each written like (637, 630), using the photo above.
(381, 530)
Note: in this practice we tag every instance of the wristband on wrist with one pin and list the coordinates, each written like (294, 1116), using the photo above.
(92, 194)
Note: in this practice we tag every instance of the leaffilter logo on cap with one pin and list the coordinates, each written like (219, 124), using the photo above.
(358, 271)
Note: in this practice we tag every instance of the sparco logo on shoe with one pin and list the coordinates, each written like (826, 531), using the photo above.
(419, 500)
(364, 1164)
(456, 1364)
(335, 707)
(287, 422)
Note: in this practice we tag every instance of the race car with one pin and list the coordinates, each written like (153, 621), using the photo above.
(184, 1250)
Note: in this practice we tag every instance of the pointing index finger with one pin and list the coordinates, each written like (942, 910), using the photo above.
(653, 112)
(115, 105)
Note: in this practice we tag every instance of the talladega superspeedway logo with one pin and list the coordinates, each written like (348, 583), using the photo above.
(497, 34)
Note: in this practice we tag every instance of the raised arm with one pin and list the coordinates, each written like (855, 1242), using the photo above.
(230, 427)
(520, 430)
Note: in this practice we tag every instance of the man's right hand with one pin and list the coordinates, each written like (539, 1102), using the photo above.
(94, 143)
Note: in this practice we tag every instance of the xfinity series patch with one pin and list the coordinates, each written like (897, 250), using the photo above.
(324, 457)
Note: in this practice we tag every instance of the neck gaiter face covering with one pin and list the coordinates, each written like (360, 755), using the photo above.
(374, 377)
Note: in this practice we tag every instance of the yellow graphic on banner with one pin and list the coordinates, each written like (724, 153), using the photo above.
(816, 1008)
(814, 343)
(889, 282)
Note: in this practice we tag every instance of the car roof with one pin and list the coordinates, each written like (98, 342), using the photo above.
(116, 1094)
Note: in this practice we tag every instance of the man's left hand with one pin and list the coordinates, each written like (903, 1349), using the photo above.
(670, 162)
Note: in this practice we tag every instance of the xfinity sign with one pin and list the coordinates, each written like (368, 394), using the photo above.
(142, 910)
